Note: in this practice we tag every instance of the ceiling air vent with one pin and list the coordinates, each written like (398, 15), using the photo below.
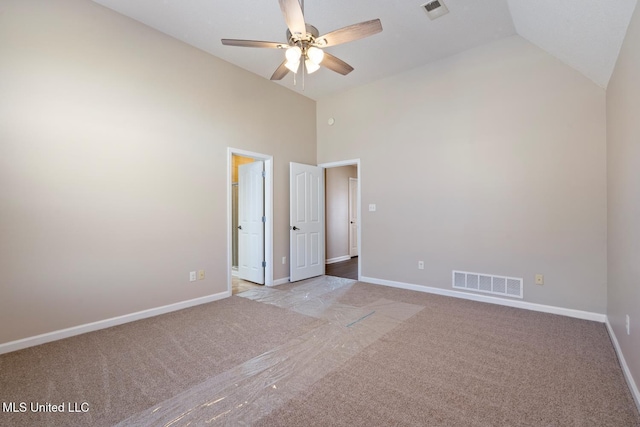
(435, 9)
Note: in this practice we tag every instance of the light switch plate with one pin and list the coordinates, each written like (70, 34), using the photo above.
(372, 207)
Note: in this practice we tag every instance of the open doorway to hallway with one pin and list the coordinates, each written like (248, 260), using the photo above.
(346, 269)
(342, 220)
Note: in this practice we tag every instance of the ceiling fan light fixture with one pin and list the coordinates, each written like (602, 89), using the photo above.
(293, 66)
(311, 66)
(315, 55)
(293, 54)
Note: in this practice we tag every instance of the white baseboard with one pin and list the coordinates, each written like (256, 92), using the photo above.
(338, 259)
(625, 368)
(586, 315)
(107, 323)
(282, 281)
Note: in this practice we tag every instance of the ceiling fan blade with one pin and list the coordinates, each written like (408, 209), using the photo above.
(350, 33)
(280, 72)
(336, 64)
(293, 16)
(253, 43)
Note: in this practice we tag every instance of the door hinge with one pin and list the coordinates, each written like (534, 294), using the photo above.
(264, 219)
(264, 264)
(264, 174)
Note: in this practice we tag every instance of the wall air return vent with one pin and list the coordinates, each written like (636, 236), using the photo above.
(487, 283)
(435, 9)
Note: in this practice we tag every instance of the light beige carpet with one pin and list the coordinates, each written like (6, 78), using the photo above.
(329, 352)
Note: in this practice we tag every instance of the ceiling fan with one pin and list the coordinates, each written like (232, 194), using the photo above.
(304, 44)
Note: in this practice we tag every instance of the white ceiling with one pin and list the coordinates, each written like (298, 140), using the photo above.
(585, 34)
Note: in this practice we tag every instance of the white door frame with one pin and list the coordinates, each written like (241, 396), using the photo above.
(268, 211)
(351, 215)
(353, 162)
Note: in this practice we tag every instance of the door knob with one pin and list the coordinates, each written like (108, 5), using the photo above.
(239, 227)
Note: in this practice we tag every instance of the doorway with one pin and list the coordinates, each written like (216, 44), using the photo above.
(343, 231)
(261, 245)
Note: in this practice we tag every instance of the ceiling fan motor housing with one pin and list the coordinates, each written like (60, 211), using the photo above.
(309, 38)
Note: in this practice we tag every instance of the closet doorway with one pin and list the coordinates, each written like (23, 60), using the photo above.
(250, 219)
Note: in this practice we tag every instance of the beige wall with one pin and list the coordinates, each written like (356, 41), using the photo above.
(623, 172)
(337, 210)
(504, 172)
(113, 168)
(113, 164)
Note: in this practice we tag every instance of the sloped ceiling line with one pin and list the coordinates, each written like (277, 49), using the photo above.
(584, 34)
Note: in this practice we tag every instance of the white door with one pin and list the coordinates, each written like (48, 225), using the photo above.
(251, 222)
(307, 221)
(353, 217)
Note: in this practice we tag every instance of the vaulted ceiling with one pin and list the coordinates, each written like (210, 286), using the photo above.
(584, 34)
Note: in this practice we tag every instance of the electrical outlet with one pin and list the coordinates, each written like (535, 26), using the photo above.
(420, 265)
(200, 274)
(539, 279)
(628, 325)
(372, 207)
(192, 276)
(284, 259)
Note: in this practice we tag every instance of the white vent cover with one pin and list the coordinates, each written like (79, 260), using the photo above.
(487, 283)
(435, 9)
